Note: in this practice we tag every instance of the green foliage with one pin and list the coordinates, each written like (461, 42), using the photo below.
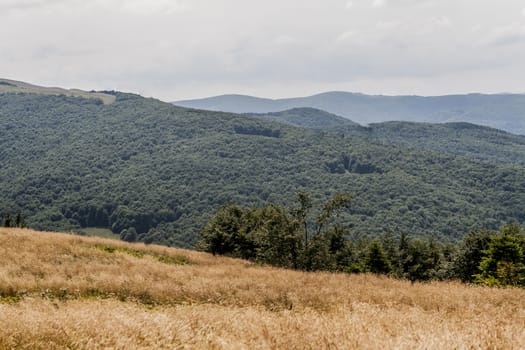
(267, 235)
(9, 221)
(129, 235)
(301, 212)
(166, 259)
(173, 260)
(420, 260)
(276, 236)
(10, 299)
(461, 139)
(256, 130)
(308, 117)
(226, 233)
(471, 251)
(140, 164)
(504, 260)
(112, 249)
(376, 260)
(331, 208)
(329, 251)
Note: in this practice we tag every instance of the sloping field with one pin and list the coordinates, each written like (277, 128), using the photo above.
(13, 86)
(63, 291)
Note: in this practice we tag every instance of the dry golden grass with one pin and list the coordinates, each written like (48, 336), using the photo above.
(13, 86)
(63, 291)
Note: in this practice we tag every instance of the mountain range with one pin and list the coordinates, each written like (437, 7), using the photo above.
(501, 111)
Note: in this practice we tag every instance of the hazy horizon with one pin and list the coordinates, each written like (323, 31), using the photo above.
(350, 92)
(182, 49)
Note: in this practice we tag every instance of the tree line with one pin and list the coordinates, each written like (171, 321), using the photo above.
(310, 237)
(13, 221)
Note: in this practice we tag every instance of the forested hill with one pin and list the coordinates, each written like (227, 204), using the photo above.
(309, 118)
(456, 138)
(501, 111)
(141, 165)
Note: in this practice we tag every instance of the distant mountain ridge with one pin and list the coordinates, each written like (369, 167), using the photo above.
(501, 111)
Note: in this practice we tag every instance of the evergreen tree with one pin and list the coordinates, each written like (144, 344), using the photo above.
(471, 251)
(7, 220)
(391, 248)
(18, 220)
(420, 262)
(504, 260)
(376, 260)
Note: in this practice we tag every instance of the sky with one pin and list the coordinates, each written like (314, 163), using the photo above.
(182, 49)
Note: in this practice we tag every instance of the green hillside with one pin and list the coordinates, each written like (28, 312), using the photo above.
(143, 165)
(307, 117)
(456, 138)
(463, 139)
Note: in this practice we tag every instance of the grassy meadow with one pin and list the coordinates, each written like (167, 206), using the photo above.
(12, 86)
(63, 291)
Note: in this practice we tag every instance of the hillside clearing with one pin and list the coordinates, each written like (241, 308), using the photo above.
(65, 291)
(11, 86)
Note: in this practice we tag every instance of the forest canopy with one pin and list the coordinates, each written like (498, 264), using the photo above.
(310, 237)
(154, 172)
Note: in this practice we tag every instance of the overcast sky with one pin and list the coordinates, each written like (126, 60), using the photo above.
(178, 49)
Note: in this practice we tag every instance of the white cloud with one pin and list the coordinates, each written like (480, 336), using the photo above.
(185, 48)
(20, 3)
(389, 26)
(346, 36)
(149, 7)
(443, 22)
(506, 35)
(523, 12)
(20, 6)
(134, 7)
(284, 40)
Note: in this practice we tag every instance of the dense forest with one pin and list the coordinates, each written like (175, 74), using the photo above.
(154, 172)
(310, 118)
(310, 236)
(458, 138)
